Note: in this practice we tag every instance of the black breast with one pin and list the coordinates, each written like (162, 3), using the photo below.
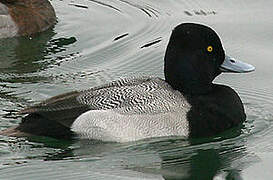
(215, 112)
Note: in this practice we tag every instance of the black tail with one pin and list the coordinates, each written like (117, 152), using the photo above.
(37, 125)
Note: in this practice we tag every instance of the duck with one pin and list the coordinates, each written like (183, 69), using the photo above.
(25, 17)
(186, 103)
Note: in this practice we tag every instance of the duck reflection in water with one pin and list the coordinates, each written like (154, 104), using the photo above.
(168, 159)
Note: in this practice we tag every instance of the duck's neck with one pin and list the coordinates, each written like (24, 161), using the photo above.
(189, 87)
(187, 78)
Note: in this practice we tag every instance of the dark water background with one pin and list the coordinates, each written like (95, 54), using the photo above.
(97, 41)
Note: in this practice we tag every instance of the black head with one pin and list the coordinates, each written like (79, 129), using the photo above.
(193, 57)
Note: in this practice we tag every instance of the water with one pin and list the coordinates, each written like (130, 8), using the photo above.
(97, 41)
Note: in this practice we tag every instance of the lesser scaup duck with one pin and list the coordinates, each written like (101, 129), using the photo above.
(186, 103)
(25, 17)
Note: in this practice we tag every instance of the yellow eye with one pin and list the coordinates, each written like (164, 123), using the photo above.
(209, 48)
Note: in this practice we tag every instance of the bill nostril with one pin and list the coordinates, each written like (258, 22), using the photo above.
(233, 61)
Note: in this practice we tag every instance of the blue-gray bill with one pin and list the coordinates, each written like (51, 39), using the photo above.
(233, 65)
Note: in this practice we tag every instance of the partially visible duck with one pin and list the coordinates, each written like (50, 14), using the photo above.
(186, 103)
(25, 17)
